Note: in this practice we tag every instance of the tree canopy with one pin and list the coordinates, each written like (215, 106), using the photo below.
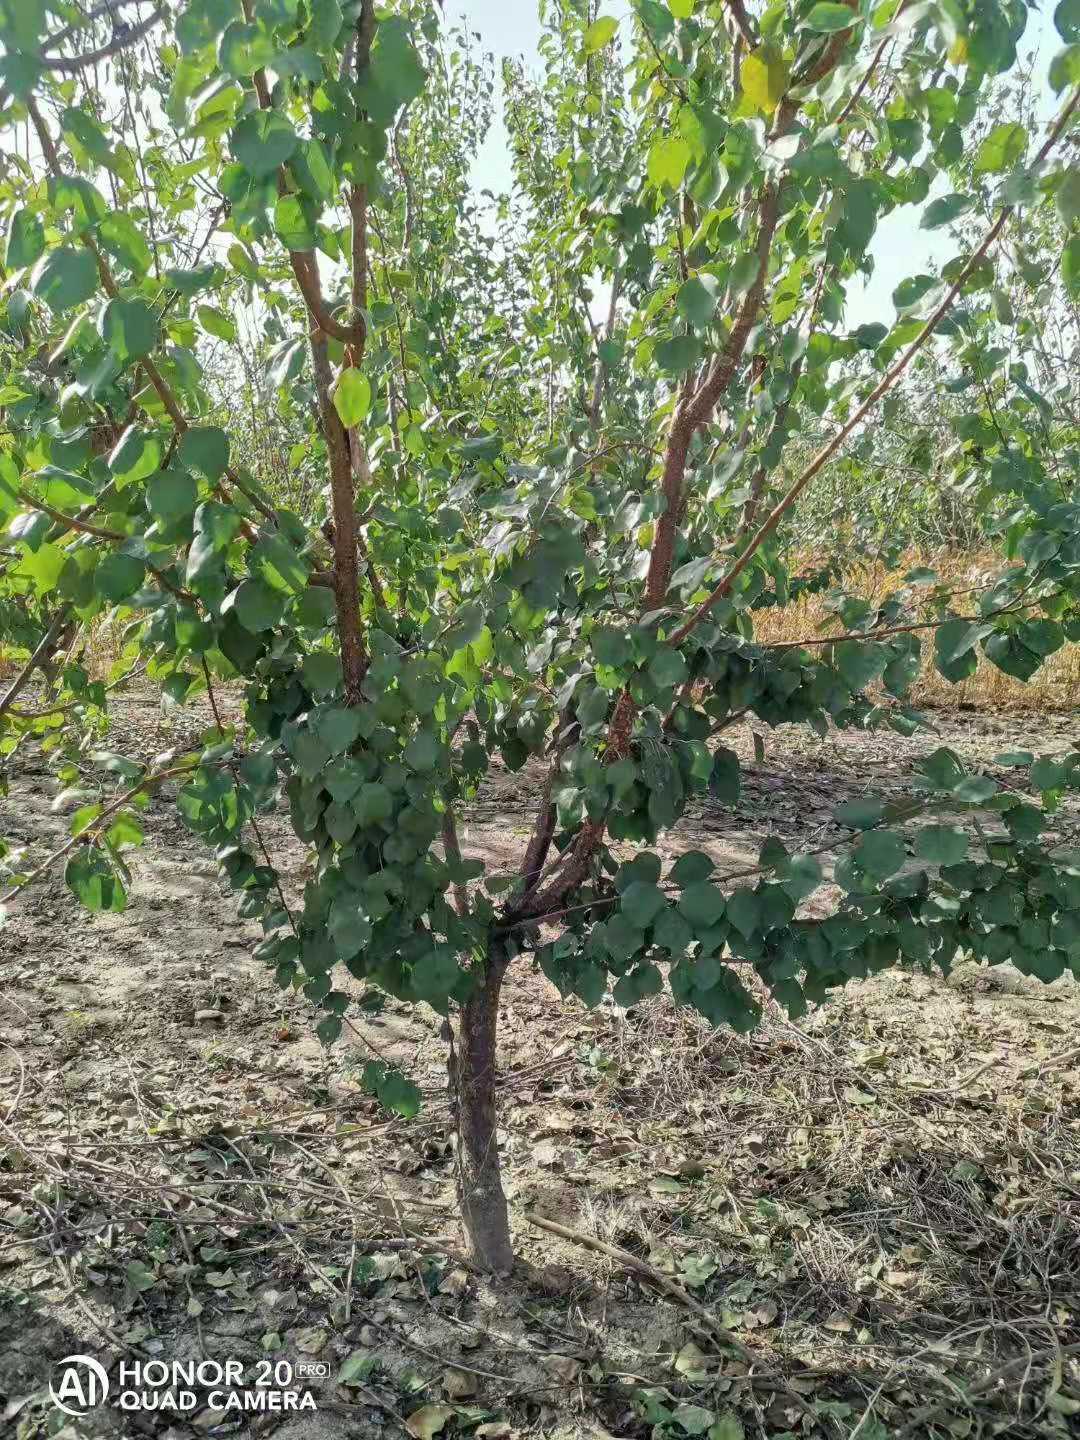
(437, 478)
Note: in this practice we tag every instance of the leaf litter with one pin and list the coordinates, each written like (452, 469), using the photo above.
(881, 1201)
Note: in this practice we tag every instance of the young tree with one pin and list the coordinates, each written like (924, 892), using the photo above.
(548, 461)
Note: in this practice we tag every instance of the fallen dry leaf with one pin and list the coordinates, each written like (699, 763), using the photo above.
(458, 1385)
(422, 1424)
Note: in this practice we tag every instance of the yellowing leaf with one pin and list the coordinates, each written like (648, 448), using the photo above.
(422, 1424)
(764, 78)
(599, 33)
(668, 159)
(352, 397)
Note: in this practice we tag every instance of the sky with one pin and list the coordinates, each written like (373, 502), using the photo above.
(510, 28)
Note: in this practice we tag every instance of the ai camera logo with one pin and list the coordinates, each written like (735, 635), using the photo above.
(79, 1385)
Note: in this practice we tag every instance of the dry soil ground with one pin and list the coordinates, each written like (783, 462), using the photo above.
(882, 1201)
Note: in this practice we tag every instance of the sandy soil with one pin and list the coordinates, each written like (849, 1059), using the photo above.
(876, 1197)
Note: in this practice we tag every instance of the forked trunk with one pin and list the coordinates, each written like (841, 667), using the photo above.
(479, 1181)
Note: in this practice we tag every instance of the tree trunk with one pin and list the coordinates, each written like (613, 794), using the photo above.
(479, 1181)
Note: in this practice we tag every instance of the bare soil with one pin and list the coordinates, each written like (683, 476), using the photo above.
(881, 1202)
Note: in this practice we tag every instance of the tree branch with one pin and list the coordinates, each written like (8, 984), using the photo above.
(40, 655)
(108, 284)
(124, 41)
(723, 588)
(354, 658)
(71, 522)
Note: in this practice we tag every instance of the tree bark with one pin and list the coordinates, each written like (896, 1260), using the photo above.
(479, 1180)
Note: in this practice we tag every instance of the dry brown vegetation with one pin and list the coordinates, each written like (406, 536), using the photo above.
(1055, 687)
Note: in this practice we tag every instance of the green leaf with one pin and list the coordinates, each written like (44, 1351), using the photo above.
(611, 647)
(263, 141)
(328, 1029)
(118, 576)
(203, 21)
(339, 727)
(800, 877)
(861, 662)
(361, 1364)
(668, 668)
(84, 201)
(1003, 148)
(828, 19)
(1067, 196)
(122, 238)
(941, 844)
(1064, 68)
(216, 322)
(321, 671)
(25, 240)
(744, 910)
(65, 278)
(136, 455)
(880, 853)
(945, 210)
(245, 49)
(1047, 774)
(954, 649)
(725, 781)
(677, 354)
(1008, 652)
(697, 300)
(702, 905)
(859, 814)
(311, 167)
(205, 449)
(352, 397)
(293, 224)
(599, 33)
(395, 75)
(374, 804)
(667, 161)
(326, 23)
(258, 605)
(639, 984)
(93, 881)
(213, 529)
(394, 1090)
(171, 495)
(641, 903)
(129, 328)
(423, 751)
(1070, 266)
(692, 866)
(1067, 20)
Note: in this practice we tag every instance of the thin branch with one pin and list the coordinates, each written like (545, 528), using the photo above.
(40, 655)
(600, 370)
(742, 22)
(354, 658)
(86, 836)
(452, 851)
(71, 522)
(108, 284)
(825, 454)
(121, 41)
(110, 7)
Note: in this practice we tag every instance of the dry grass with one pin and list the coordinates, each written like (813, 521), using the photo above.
(1055, 687)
